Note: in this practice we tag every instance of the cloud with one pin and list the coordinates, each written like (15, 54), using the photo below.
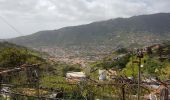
(30, 16)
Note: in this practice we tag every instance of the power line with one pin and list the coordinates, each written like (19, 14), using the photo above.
(11, 26)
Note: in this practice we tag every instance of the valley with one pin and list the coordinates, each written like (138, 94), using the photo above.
(91, 42)
(101, 60)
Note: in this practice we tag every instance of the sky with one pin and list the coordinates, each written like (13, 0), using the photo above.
(23, 17)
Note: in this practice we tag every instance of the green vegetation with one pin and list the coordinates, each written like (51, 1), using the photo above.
(117, 59)
(61, 68)
(134, 31)
(13, 57)
(156, 62)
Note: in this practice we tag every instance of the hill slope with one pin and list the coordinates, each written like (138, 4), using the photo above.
(108, 32)
(102, 36)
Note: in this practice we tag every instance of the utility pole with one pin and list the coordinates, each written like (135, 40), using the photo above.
(140, 56)
(139, 77)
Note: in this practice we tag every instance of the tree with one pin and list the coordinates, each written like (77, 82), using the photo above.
(122, 50)
(12, 57)
(149, 51)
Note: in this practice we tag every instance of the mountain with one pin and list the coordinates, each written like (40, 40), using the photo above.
(4, 44)
(134, 31)
(99, 32)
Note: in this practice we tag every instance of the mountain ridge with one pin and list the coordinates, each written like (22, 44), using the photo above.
(101, 32)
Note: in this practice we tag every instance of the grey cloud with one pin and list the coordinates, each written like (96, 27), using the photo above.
(30, 16)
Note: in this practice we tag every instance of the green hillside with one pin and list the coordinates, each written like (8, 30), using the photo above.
(136, 30)
(156, 62)
(12, 55)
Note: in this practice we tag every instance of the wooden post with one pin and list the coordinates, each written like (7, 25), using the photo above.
(38, 81)
(123, 92)
(164, 94)
(0, 83)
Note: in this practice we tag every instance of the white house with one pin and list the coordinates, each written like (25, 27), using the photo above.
(75, 76)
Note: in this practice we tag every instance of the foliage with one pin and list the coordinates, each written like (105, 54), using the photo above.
(112, 61)
(13, 57)
(61, 68)
(70, 68)
(121, 63)
(51, 82)
(122, 51)
(165, 72)
(153, 66)
(7, 45)
(131, 69)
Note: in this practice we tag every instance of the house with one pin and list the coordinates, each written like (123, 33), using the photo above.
(107, 74)
(102, 74)
(75, 76)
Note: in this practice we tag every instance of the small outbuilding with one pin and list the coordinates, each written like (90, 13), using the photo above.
(75, 76)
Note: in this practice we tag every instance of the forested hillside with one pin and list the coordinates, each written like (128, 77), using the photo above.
(139, 30)
(155, 61)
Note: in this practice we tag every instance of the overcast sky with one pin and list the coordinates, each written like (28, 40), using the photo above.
(30, 16)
